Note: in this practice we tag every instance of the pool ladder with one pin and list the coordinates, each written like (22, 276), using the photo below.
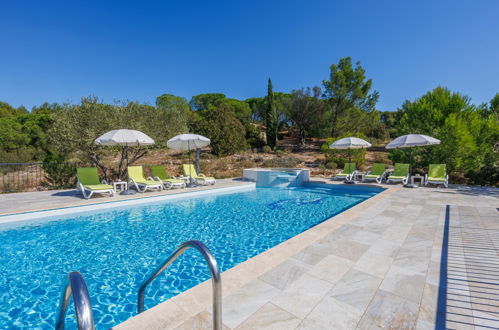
(216, 279)
(84, 316)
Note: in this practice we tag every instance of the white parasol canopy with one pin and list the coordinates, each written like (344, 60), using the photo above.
(124, 137)
(188, 142)
(412, 140)
(350, 143)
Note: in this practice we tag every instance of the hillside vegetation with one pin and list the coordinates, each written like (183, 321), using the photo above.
(278, 129)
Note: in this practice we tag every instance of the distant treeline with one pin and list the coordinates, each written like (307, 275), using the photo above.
(343, 105)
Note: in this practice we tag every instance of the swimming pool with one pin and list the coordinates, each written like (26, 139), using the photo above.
(115, 249)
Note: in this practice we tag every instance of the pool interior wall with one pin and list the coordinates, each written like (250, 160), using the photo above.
(115, 249)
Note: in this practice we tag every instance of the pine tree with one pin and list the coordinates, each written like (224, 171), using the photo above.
(271, 118)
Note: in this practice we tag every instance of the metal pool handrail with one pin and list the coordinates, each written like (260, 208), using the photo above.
(215, 276)
(84, 316)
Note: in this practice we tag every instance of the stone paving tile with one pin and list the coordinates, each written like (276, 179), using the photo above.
(388, 311)
(356, 289)
(411, 260)
(331, 268)
(384, 247)
(302, 296)
(364, 237)
(202, 321)
(245, 301)
(270, 317)
(331, 313)
(313, 253)
(374, 263)
(285, 273)
(429, 304)
(404, 283)
(346, 249)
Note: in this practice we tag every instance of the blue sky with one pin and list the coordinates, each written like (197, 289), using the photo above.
(59, 51)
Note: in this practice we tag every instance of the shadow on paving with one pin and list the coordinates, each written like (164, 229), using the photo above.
(471, 191)
(469, 274)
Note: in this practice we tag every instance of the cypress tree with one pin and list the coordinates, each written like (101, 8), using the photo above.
(271, 117)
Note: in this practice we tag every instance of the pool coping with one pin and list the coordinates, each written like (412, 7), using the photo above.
(103, 205)
(197, 301)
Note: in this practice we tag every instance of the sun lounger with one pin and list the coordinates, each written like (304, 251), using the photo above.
(377, 173)
(200, 178)
(89, 182)
(437, 174)
(347, 173)
(159, 174)
(136, 179)
(400, 174)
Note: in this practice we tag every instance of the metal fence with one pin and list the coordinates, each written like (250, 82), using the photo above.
(17, 177)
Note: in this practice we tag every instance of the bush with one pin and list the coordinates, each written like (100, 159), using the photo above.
(267, 149)
(331, 165)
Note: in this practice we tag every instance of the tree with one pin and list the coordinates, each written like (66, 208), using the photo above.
(494, 104)
(77, 126)
(169, 101)
(306, 111)
(346, 89)
(467, 136)
(271, 117)
(241, 109)
(225, 131)
(203, 101)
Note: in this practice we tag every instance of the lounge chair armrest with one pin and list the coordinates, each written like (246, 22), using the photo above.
(104, 181)
(150, 178)
(201, 174)
(156, 178)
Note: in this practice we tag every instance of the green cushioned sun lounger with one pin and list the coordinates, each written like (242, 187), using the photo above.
(437, 174)
(136, 179)
(159, 174)
(377, 172)
(347, 172)
(89, 182)
(190, 171)
(400, 174)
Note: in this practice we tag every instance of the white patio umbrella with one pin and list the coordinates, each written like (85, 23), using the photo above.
(409, 141)
(188, 142)
(350, 143)
(126, 138)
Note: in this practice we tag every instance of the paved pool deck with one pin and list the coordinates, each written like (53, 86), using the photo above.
(421, 258)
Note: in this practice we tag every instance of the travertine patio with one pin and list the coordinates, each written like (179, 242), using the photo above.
(407, 258)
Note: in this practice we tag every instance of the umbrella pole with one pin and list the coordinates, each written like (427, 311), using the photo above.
(349, 168)
(190, 171)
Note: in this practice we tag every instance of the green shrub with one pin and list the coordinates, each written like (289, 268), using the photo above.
(267, 149)
(331, 165)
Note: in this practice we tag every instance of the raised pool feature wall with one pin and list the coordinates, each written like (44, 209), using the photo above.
(277, 177)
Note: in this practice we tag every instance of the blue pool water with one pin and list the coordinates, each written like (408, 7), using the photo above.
(116, 249)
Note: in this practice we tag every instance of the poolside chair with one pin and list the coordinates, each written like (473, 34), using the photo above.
(89, 182)
(400, 174)
(200, 178)
(437, 174)
(347, 173)
(377, 173)
(159, 174)
(136, 179)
